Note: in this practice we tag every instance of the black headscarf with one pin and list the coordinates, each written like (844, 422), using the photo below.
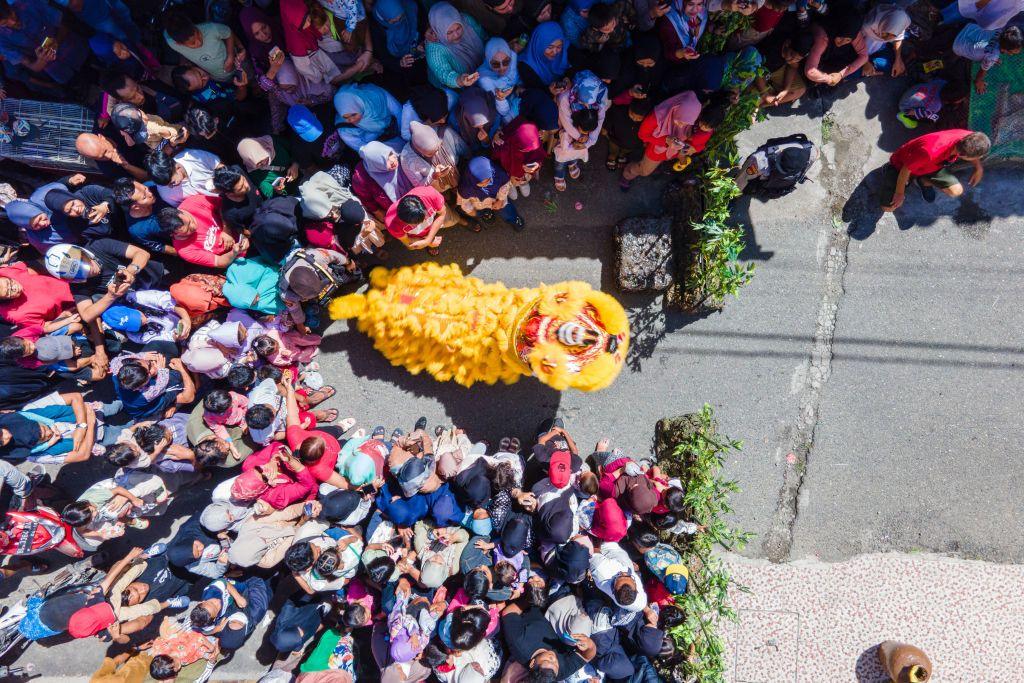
(21, 385)
(275, 228)
(430, 103)
(24, 436)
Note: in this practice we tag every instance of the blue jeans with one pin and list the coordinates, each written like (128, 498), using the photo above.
(561, 167)
(509, 214)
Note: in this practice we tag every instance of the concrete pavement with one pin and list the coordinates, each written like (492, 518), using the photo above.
(873, 378)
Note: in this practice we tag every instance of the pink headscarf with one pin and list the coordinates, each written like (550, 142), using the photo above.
(676, 115)
(609, 521)
(248, 486)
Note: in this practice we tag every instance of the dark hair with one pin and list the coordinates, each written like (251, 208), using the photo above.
(670, 616)
(502, 476)
(121, 454)
(974, 146)
(178, 78)
(433, 655)
(240, 378)
(476, 583)
(226, 177)
(588, 483)
(535, 595)
(663, 520)
(123, 189)
(469, 627)
(600, 15)
(160, 167)
(200, 618)
(200, 122)
(411, 210)
(641, 107)
(585, 119)
(1011, 39)
(217, 401)
(270, 372)
(11, 349)
(713, 114)
(169, 219)
(264, 345)
(625, 594)
(149, 436)
(259, 416)
(541, 674)
(311, 450)
(674, 499)
(642, 535)
(379, 569)
(802, 42)
(76, 514)
(178, 26)
(162, 668)
(113, 81)
(132, 375)
(299, 557)
(209, 453)
(505, 574)
(354, 615)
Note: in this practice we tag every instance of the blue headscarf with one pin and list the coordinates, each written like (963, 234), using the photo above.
(547, 70)
(403, 34)
(22, 211)
(489, 78)
(477, 170)
(588, 91)
(369, 100)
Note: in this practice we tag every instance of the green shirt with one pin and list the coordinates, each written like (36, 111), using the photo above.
(212, 54)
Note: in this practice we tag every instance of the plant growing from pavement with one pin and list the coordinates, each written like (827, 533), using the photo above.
(697, 460)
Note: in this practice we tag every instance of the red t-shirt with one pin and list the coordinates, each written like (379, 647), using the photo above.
(930, 152)
(766, 18)
(398, 228)
(42, 298)
(204, 245)
(324, 467)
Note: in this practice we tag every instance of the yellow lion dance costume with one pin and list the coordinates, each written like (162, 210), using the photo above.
(434, 318)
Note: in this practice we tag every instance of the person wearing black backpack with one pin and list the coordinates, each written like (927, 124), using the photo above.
(777, 167)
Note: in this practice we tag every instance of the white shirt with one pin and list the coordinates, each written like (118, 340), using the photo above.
(606, 566)
(199, 166)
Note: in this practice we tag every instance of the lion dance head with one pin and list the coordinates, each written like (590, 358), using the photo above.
(457, 328)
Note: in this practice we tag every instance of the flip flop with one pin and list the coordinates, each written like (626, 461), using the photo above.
(329, 417)
(514, 446)
(504, 444)
(560, 184)
(347, 424)
(326, 393)
(378, 432)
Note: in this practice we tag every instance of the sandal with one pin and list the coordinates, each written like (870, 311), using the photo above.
(505, 444)
(433, 251)
(347, 424)
(378, 432)
(623, 160)
(611, 163)
(329, 415)
(138, 523)
(514, 446)
(474, 226)
(560, 184)
(575, 171)
(320, 395)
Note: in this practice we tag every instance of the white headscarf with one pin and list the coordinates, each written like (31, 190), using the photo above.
(888, 19)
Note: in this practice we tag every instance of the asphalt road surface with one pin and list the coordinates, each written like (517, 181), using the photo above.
(874, 377)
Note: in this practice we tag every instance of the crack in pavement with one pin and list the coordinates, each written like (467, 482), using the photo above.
(838, 177)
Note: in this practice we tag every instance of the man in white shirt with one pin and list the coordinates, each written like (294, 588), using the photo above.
(615, 576)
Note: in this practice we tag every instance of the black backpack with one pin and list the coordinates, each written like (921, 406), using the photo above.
(780, 183)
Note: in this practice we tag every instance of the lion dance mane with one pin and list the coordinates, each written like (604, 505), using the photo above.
(433, 318)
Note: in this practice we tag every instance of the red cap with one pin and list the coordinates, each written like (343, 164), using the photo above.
(560, 468)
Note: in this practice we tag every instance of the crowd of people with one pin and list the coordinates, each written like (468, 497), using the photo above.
(158, 313)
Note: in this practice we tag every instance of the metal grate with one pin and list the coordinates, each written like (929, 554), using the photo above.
(51, 142)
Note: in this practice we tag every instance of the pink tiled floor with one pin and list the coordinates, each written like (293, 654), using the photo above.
(812, 622)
